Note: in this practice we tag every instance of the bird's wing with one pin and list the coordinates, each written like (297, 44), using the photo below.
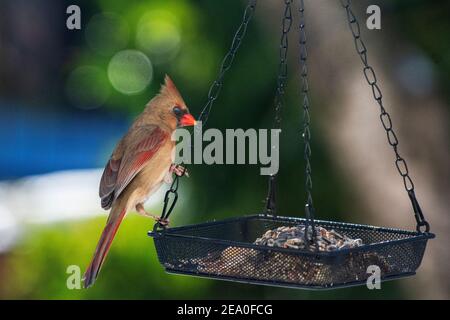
(122, 168)
(109, 176)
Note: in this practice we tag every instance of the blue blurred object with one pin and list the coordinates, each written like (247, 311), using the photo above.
(38, 142)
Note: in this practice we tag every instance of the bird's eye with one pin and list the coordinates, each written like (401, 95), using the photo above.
(177, 111)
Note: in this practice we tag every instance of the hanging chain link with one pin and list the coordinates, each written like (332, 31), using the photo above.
(385, 117)
(282, 67)
(309, 207)
(227, 62)
(279, 95)
(171, 196)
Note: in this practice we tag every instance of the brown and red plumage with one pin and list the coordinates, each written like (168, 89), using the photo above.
(140, 163)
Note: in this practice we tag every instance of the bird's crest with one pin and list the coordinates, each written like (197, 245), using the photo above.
(169, 88)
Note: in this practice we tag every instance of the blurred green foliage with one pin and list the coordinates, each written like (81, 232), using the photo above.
(426, 24)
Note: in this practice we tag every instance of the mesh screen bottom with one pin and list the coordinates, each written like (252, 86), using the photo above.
(225, 250)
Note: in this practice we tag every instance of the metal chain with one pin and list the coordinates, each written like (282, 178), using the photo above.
(227, 62)
(282, 67)
(385, 118)
(171, 195)
(309, 208)
(279, 95)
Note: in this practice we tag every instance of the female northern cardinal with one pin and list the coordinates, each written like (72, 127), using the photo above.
(141, 161)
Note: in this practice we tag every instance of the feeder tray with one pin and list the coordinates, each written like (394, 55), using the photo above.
(232, 249)
(225, 250)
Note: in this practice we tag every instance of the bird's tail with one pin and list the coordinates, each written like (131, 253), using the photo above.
(113, 223)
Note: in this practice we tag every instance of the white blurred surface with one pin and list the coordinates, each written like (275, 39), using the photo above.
(48, 198)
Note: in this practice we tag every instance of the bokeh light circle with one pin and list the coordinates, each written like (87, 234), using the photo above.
(87, 87)
(130, 71)
(106, 33)
(158, 34)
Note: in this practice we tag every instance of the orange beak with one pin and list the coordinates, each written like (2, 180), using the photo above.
(187, 120)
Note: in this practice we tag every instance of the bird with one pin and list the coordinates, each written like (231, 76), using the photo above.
(140, 163)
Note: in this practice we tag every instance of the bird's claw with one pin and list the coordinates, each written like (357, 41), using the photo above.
(179, 170)
(140, 209)
(163, 222)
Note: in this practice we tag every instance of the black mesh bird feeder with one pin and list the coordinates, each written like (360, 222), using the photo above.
(293, 252)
